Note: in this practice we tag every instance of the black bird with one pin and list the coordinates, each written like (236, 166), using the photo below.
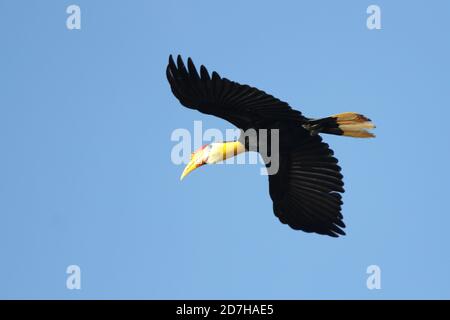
(306, 189)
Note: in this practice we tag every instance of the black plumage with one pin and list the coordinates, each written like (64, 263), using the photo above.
(306, 190)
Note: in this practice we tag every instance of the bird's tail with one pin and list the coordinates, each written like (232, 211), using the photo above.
(349, 124)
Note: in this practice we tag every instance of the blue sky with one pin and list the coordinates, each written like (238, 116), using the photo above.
(86, 176)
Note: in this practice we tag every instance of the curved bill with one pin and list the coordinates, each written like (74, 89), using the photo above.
(195, 162)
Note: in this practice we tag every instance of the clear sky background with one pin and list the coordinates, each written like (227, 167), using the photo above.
(86, 176)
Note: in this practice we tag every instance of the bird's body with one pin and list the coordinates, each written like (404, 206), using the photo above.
(306, 187)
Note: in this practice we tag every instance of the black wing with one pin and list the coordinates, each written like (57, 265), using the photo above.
(242, 105)
(306, 189)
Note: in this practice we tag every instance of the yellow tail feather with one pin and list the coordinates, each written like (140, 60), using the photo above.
(354, 125)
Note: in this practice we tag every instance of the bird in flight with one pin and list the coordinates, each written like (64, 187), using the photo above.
(306, 189)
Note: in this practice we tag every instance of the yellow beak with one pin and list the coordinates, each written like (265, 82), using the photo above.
(195, 162)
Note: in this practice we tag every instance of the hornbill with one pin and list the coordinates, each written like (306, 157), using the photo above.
(306, 189)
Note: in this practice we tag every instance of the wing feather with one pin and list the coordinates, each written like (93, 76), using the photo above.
(306, 191)
(242, 105)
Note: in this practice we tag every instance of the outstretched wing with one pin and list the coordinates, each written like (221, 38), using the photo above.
(306, 189)
(242, 105)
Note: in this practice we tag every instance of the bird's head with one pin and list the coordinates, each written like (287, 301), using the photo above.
(212, 153)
